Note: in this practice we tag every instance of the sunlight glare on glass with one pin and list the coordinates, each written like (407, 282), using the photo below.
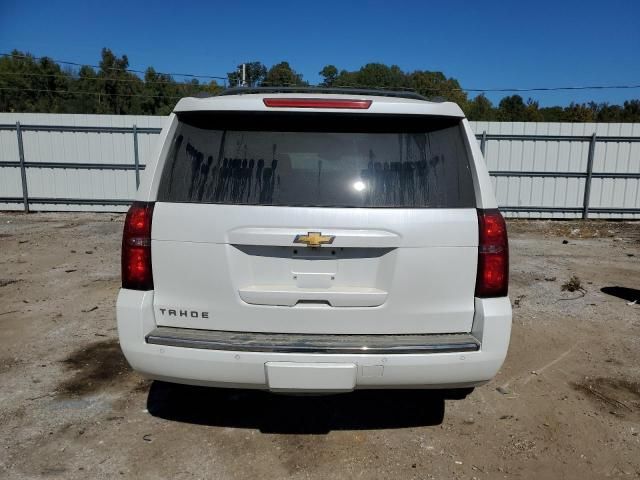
(359, 186)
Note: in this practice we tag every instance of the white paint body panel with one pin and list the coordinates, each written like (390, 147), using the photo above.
(414, 268)
(491, 325)
(388, 271)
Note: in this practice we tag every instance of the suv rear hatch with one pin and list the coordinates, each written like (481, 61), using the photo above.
(315, 223)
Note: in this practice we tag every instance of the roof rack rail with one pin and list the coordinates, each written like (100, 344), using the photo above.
(330, 90)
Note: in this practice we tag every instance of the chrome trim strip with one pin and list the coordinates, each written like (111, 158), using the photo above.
(312, 343)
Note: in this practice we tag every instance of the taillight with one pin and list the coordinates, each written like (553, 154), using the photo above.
(493, 255)
(136, 248)
(317, 103)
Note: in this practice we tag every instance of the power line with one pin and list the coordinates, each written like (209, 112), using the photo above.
(552, 89)
(75, 64)
(142, 95)
(444, 89)
(104, 79)
(83, 92)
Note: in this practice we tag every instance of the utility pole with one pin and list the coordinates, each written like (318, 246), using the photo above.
(244, 75)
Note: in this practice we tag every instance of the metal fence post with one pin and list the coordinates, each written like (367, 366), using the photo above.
(587, 182)
(483, 142)
(23, 169)
(135, 153)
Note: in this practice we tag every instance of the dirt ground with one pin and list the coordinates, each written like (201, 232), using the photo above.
(565, 405)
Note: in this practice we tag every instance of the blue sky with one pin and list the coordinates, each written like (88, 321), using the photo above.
(482, 44)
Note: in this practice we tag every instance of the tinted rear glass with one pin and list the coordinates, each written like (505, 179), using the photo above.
(323, 160)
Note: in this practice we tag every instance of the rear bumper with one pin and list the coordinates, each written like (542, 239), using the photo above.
(312, 343)
(166, 354)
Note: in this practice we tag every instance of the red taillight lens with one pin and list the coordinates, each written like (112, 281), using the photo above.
(317, 103)
(136, 248)
(493, 255)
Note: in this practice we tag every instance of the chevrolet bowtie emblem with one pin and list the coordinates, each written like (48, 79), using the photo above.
(314, 239)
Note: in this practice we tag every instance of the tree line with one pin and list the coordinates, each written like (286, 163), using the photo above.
(30, 84)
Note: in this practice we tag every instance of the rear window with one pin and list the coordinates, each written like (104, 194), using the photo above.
(322, 160)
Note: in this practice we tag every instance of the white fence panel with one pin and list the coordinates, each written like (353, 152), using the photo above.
(514, 163)
(536, 173)
(73, 147)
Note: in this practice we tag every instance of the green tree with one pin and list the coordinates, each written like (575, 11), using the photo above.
(28, 84)
(511, 109)
(607, 113)
(84, 87)
(532, 112)
(436, 84)
(552, 114)
(119, 91)
(577, 112)
(255, 73)
(160, 92)
(631, 111)
(378, 75)
(480, 108)
(213, 88)
(371, 75)
(16, 82)
(330, 74)
(346, 79)
(282, 75)
(51, 86)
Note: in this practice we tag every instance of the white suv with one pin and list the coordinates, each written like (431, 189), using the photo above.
(316, 241)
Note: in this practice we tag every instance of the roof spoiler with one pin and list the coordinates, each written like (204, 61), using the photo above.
(410, 94)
